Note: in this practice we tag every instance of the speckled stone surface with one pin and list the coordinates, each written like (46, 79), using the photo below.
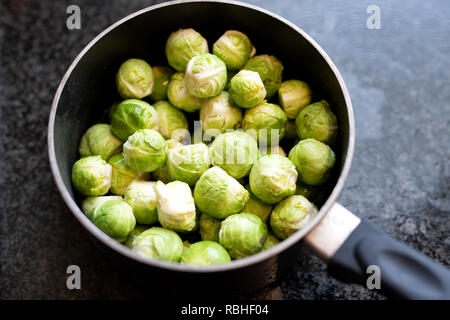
(398, 78)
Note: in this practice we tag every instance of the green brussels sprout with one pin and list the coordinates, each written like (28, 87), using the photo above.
(273, 178)
(205, 253)
(312, 193)
(206, 76)
(188, 162)
(186, 245)
(218, 194)
(273, 149)
(182, 45)
(234, 48)
(91, 176)
(162, 76)
(266, 123)
(159, 243)
(290, 215)
(242, 234)
(235, 152)
(271, 241)
(247, 89)
(134, 79)
(145, 150)
(176, 207)
(290, 132)
(115, 218)
(172, 143)
(98, 140)
(257, 207)
(318, 122)
(270, 70)
(293, 96)
(162, 173)
(220, 113)
(141, 196)
(122, 175)
(90, 203)
(209, 228)
(304, 190)
(133, 235)
(172, 121)
(132, 115)
(314, 161)
(180, 97)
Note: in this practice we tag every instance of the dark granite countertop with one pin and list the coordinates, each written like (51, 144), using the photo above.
(398, 78)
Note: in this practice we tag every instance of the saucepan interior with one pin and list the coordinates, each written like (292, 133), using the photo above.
(88, 89)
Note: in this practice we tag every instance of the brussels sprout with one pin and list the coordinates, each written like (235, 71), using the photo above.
(90, 203)
(290, 132)
(273, 149)
(188, 162)
(293, 96)
(257, 207)
(162, 173)
(235, 152)
(247, 89)
(186, 245)
(172, 122)
(273, 178)
(141, 196)
(313, 160)
(115, 218)
(270, 70)
(131, 115)
(205, 253)
(290, 215)
(159, 243)
(218, 194)
(265, 122)
(209, 228)
(98, 140)
(91, 176)
(182, 45)
(312, 193)
(206, 76)
(172, 143)
(134, 79)
(176, 207)
(162, 76)
(122, 174)
(242, 234)
(270, 242)
(145, 150)
(318, 122)
(220, 113)
(180, 97)
(234, 48)
(133, 235)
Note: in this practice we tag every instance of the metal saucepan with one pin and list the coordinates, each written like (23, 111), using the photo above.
(346, 243)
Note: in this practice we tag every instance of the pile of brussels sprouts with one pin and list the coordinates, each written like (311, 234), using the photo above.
(230, 190)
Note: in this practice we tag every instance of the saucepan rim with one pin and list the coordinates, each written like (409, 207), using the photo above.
(236, 264)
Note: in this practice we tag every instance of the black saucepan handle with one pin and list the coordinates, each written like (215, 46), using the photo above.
(404, 272)
(358, 252)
